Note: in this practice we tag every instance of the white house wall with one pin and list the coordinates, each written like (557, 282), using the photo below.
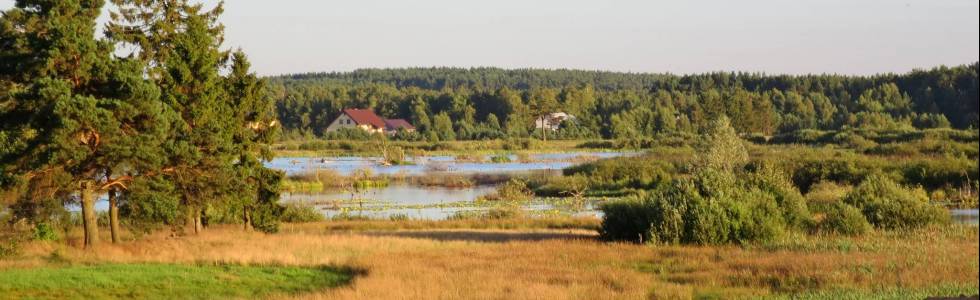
(343, 121)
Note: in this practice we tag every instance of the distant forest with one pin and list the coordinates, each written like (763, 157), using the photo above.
(489, 103)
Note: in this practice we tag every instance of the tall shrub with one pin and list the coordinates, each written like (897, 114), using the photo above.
(888, 205)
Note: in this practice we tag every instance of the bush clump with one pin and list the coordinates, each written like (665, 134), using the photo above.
(886, 204)
(299, 213)
(624, 172)
(45, 232)
(722, 202)
(627, 220)
(841, 218)
(513, 190)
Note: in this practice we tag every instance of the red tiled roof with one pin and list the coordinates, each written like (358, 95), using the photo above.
(365, 117)
(394, 124)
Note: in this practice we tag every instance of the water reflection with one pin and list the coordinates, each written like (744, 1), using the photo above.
(420, 165)
(965, 216)
(429, 203)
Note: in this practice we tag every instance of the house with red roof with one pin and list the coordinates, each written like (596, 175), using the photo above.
(367, 120)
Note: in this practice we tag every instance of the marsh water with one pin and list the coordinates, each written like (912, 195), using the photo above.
(431, 203)
(436, 203)
(421, 165)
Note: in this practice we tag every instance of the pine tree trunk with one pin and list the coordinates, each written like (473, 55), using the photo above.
(197, 221)
(248, 219)
(190, 221)
(89, 219)
(113, 216)
(544, 129)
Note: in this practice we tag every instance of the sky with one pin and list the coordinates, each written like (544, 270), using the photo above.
(681, 37)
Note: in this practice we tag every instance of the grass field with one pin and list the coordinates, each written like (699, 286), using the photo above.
(486, 260)
(164, 281)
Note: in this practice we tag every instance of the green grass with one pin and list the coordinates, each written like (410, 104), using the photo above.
(165, 281)
(943, 290)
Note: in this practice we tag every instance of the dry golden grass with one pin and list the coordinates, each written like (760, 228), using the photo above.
(456, 262)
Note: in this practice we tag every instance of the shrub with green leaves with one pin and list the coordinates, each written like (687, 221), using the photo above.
(512, 190)
(826, 192)
(844, 219)
(299, 213)
(624, 172)
(720, 203)
(45, 232)
(150, 203)
(886, 204)
(628, 219)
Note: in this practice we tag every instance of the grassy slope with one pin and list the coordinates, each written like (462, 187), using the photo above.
(473, 260)
(163, 281)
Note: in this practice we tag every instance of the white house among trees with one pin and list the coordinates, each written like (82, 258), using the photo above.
(552, 120)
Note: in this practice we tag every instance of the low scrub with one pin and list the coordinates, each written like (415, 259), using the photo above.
(843, 219)
(712, 207)
(724, 201)
(826, 192)
(624, 172)
(496, 213)
(886, 204)
(514, 190)
(443, 180)
(299, 213)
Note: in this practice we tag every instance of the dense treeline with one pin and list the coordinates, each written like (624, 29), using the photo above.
(167, 133)
(487, 103)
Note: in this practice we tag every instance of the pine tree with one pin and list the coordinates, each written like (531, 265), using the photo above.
(184, 59)
(259, 191)
(89, 122)
(225, 123)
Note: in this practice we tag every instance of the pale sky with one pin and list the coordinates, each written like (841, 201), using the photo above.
(694, 36)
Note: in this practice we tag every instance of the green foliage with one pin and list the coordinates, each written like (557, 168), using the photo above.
(150, 203)
(888, 205)
(720, 203)
(347, 133)
(499, 159)
(495, 103)
(80, 117)
(515, 190)
(844, 219)
(495, 213)
(624, 172)
(725, 151)
(44, 232)
(630, 220)
(520, 144)
(827, 192)
(224, 122)
(298, 213)
(443, 127)
(560, 186)
(773, 181)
